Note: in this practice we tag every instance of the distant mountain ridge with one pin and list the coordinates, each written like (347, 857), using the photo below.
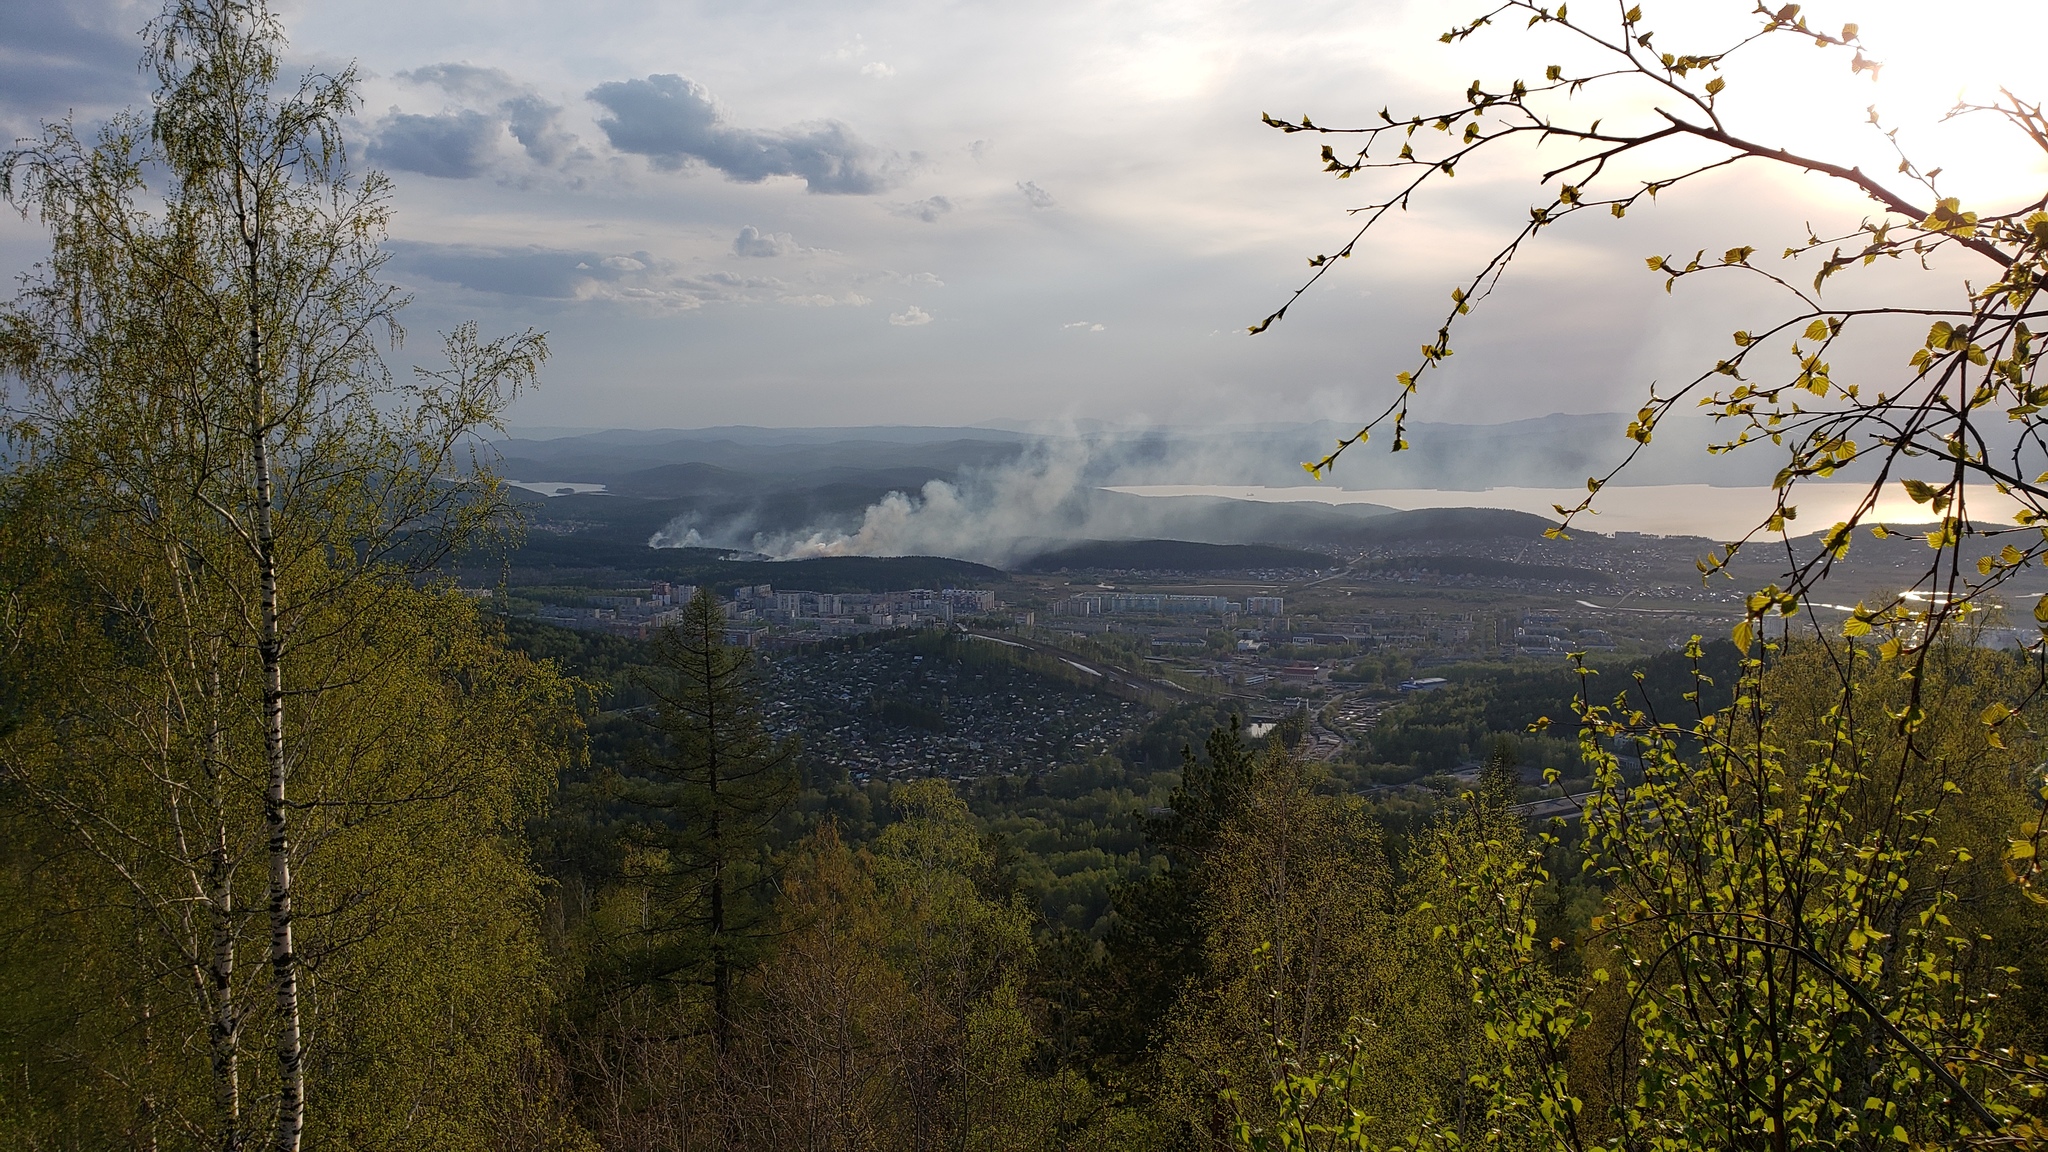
(1559, 450)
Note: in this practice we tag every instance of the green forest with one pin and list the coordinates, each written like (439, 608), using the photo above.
(301, 848)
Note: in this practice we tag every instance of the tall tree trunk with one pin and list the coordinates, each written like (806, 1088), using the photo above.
(212, 961)
(721, 966)
(284, 964)
(225, 1028)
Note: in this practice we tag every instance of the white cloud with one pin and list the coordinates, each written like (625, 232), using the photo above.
(753, 242)
(877, 69)
(919, 279)
(910, 317)
(1087, 325)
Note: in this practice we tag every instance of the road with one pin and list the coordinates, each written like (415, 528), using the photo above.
(1109, 674)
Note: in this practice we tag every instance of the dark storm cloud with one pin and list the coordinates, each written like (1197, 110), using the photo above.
(56, 56)
(455, 145)
(671, 120)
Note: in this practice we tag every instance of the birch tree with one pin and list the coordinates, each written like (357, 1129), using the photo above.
(1617, 115)
(1792, 885)
(200, 378)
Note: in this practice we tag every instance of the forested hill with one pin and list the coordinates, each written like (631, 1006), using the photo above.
(1175, 556)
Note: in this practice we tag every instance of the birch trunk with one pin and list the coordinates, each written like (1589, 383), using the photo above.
(224, 1023)
(284, 965)
(225, 1026)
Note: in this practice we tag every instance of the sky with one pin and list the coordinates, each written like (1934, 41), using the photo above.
(946, 212)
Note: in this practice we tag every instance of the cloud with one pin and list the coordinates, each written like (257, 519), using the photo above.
(877, 69)
(1038, 197)
(453, 145)
(535, 123)
(753, 242)
(490, 84)
(917, 279)
(56, 56)
(910, 317)
(1085, 325)
(533, 120)
(928, 209)
(569, 275)
(821, 300)
(671, 121)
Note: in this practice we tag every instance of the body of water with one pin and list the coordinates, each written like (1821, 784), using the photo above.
(1653, 509)
(556, 488)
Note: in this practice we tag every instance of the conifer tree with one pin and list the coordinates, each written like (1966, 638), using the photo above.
(709, 800)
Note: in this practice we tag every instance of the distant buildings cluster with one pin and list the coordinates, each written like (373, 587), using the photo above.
(851, 612)
(636, 617)
(752, 609)
(1114, 603)
(1546, 634)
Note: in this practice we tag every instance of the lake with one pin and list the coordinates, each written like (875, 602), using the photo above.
(1652, 509)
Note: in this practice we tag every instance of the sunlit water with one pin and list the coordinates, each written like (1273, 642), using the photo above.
(556, 488)
(1652, 509)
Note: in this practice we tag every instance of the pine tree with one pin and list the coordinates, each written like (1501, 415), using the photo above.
(1157, 939)
(708, 800)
